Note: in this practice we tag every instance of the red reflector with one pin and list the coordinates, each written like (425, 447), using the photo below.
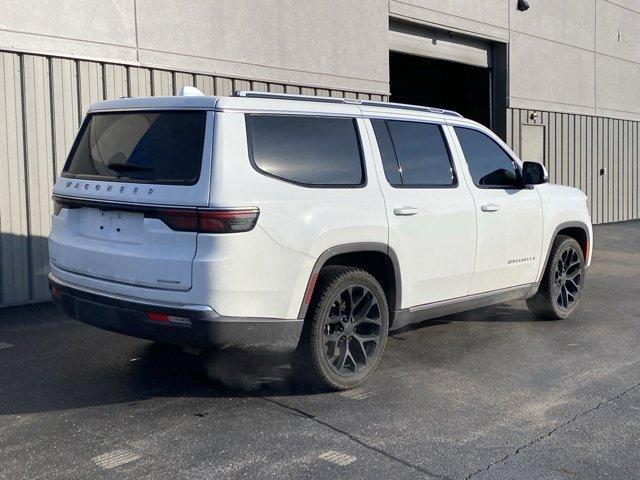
(56, 293)
(164, 318)
(157, 317)
(312, 284)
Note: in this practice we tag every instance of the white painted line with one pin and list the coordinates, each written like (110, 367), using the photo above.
(338, 458)
(5, 345)
(115, 459)
(357, 394)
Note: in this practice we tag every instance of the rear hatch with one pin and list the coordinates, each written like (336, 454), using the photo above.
(126, 203)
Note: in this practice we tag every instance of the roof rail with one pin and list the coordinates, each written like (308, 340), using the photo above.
(349, 101)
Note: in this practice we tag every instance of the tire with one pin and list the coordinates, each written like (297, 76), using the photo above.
(562, 283)
(345, 330)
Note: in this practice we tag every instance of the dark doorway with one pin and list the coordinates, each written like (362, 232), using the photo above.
(442, 84)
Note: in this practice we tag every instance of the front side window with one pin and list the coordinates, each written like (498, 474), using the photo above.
(414, 153)
(490, 166)
(315, 151)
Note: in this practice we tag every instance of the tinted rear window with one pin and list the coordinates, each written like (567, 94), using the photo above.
(414, 153)
(321, 151)
(149, 147)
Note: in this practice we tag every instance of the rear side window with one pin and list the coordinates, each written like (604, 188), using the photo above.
(490, 166)
(414, 154)
(149, 147)
(316, 151)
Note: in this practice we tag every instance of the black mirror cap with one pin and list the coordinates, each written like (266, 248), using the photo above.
(523, 5)
(534, 173)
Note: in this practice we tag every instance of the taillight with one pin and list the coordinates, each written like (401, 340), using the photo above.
(198, 220)
(227, 221)
(210, 221)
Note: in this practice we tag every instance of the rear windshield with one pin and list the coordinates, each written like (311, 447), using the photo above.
(148, 147)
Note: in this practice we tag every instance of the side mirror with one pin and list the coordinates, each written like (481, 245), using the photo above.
(534, 173)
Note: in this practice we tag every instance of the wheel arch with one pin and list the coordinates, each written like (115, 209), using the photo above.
(576, 230)
(378, 259)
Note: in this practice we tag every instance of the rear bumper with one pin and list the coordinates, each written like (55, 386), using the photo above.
(205, 328)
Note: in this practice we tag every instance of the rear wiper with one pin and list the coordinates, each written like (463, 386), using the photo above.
(129, 167)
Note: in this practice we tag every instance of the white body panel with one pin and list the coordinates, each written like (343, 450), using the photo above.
(436, 245)
(509, 232)
(449, 249)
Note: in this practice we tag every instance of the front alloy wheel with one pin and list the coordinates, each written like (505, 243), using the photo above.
(562, 283)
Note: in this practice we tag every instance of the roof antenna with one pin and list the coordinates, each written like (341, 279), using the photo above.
(189, 91)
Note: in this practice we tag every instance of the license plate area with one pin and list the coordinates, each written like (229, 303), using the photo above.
(112, 225)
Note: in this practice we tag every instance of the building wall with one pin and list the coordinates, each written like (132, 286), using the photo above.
(333, 44)
(599, 155)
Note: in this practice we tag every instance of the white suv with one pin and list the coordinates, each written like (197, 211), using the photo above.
(303, 223)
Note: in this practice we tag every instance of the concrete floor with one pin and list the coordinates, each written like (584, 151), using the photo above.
(488, 394)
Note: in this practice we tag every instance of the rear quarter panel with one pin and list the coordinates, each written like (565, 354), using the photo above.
(306, 221)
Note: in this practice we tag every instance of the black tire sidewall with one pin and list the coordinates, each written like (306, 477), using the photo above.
(549, 287)
(349, 278)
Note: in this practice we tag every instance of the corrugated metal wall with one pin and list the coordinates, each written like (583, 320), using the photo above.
(42, 101)
(601, 156)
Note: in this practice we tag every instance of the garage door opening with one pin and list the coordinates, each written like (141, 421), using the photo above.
(442, 84)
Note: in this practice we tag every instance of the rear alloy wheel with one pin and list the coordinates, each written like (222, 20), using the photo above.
(346, 330)
(562, 283)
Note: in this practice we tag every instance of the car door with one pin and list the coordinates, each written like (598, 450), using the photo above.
(508, 215)
(430, 211)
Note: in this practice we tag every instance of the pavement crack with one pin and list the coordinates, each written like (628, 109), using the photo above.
(551, 432)
(355, 439)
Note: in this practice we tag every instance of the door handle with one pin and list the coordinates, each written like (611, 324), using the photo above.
(405, 211)
(490, 207)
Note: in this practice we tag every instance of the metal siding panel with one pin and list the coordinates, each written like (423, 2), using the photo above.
(139, 80)
(276, 88)
(64, 101)
(589, 140)
(224, 86)
(307, 91)
(180, 79)
(161, 83)
(115, 81)
(636, 171)
(205, 84)
(239, 85)
(14, 248)
(292, 89)
(90, 85)
(260, 86)
(39, 158)
(322, 92)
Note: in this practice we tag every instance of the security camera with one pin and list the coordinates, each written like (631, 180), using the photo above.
(523, 5)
